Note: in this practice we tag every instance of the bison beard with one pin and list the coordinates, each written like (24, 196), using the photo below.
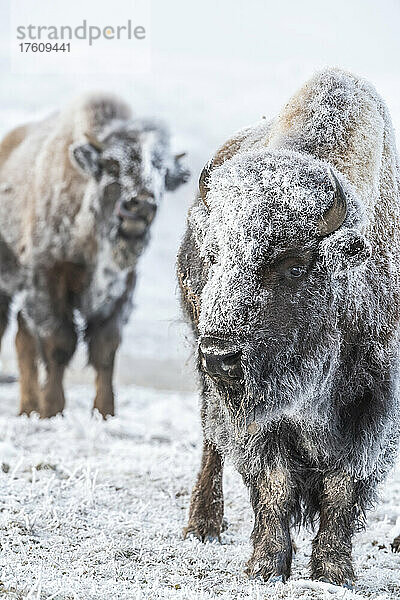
(290, 279)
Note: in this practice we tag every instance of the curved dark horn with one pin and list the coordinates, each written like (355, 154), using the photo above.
(203, 182)
(335, 215)
(93, 141)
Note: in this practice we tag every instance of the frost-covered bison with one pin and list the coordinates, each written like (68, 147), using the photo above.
(78, 193)
(289, 275)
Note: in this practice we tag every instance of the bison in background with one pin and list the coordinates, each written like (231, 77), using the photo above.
(290, 277)
(78, 194)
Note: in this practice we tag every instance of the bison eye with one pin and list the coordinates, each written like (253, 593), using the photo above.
(111, 166)
(296, 271)
(287, 268)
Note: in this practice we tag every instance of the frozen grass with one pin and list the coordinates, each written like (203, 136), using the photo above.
(94, 510)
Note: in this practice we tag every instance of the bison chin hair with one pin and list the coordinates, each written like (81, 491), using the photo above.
(279, 385)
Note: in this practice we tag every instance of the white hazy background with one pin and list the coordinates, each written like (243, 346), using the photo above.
(216, 66)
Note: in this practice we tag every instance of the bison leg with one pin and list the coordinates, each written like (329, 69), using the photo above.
(272, 546)
(4, 309)
(207, 500)
(26, 349)
(57, 350)
(331, 548)
(395, 545)
(103, 341)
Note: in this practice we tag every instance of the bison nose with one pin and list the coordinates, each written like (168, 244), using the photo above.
(222, 366)
(138, 208)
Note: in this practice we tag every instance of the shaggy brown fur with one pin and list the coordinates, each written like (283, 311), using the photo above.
(207, 501)
(78, 193)
(27, 362)
(292, 253)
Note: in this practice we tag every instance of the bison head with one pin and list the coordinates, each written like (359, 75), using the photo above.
(279, 235)
(129, 166)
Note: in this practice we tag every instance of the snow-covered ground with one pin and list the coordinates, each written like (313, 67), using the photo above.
(94, 510)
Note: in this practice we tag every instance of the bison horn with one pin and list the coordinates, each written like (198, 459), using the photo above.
(93, 141)
(203, 183)
(335, 215)
(179, 156)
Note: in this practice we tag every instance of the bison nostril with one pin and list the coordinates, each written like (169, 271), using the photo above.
(126, 209)
(137, 209)
(222, 366)
(143, 209)
(230, 360)
(132, 203)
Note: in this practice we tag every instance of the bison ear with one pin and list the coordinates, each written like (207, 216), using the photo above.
(85, 157)
(176, 174)
(345, 249)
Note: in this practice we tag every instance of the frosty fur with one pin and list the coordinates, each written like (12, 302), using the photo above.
(63, 243)
(313, 428)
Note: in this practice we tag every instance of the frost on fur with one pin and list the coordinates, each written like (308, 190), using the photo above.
(79, 193)
(298, 331)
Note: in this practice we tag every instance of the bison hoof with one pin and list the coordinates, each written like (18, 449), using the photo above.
(395, 545)
(49, 413)
(335, 574)
(271, 581)
(266, 570)
(348, 584)
(224, 525)
(276, 579)
(203, 531)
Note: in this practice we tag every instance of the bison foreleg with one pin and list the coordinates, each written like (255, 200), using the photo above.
(103, 339)
(4, 311)
(57, 350)
(25, 345)
(331, 549)
(271, 498)
(207, 500)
